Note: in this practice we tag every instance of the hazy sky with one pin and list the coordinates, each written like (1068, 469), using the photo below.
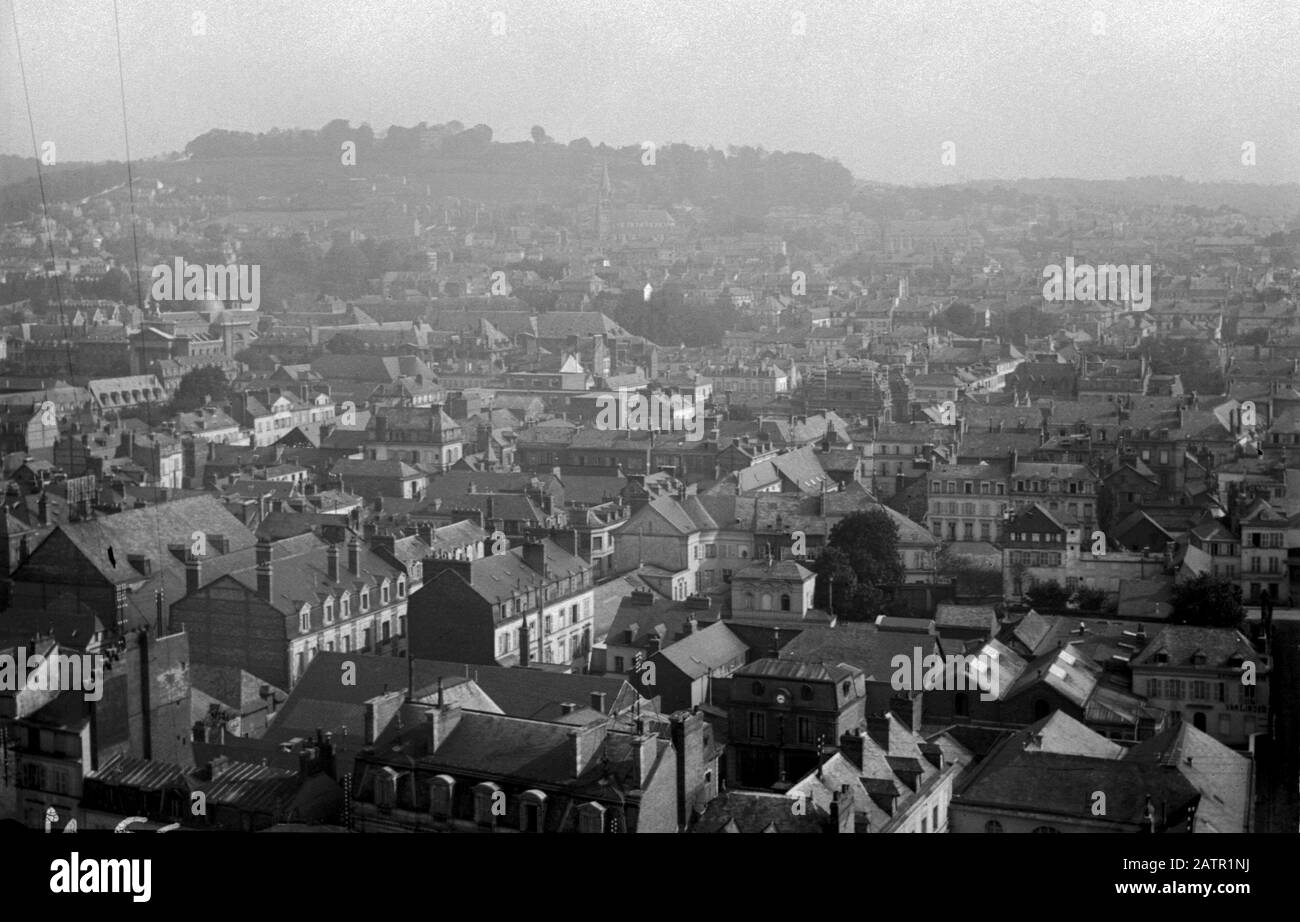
(1021, 87)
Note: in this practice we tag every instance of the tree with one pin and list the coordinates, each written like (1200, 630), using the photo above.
(959, 318)
(198, 387)
(837, 584)
(870, 539)
(1049, 595)
(1106, 508)
(1208, 601)
(969, 578)
(256, 361)
(345, 344)
(1090, 599)
(540, 136)
(862, 558)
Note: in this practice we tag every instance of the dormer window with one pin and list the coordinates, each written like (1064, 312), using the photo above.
(386, 788)
(365, 600)
(1161, 656)
(329, 611)
(532, 811)
(401, 587)
(591, 818)
(489, 803)
(304, 619)
(441, 791)
(383, 594)
(345, 606)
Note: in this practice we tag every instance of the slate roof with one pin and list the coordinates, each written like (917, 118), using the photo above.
(707, 649)
(867, 646)
(1223, 647)
(1223, 777)
(798, 670)
(758, 811)
(498, 576)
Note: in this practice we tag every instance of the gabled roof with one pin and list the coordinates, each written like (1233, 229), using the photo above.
(700, 653)
(1183, 644)
(1222, 776)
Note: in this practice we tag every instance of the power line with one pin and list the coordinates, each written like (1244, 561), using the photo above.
(139, 300)
(40, 181)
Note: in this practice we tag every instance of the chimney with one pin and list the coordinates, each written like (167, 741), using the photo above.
(644, 748)
(264, 585)
(851, 746)
(193, 573)
(567, 708)
(878, 730)
(842, 810)
(535, 556)
(354, 555)
(43, 509)
(332, 562)
(442, 721)
(598, 702)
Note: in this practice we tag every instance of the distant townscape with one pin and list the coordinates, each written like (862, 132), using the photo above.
(442, 484)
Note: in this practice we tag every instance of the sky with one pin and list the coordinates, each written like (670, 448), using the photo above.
(1005, 88)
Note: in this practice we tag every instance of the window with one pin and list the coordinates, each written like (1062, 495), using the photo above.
(401, 587)
(383, 594)
(489, 803)
(591, 818)
(757, 725)
(805, 730)
(441, 790)
(329, 611)
(304, 619)
(345, 606)
(924, 825)
(365, 600)
(934, 819)
(620, 664)
(785, 602)
(1046, 829)
(532, 811)
(385, 788)
(992, 826)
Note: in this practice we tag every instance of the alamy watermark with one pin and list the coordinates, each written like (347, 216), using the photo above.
(83, 672)
(658, 412)
(183, 281)
(921, 671)
(1098, 283)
